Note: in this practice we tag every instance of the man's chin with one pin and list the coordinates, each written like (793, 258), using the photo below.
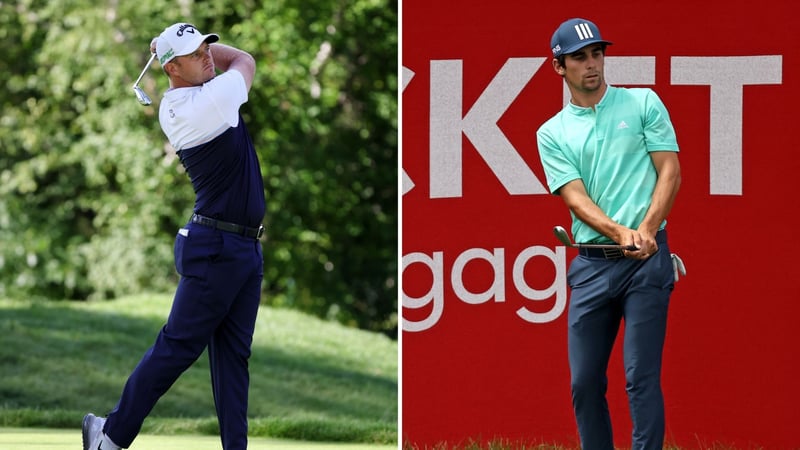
(592, 84)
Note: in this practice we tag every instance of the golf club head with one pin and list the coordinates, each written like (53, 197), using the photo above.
(563, 236)
(142, 96)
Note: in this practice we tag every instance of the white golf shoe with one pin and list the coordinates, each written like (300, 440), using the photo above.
(92, 431)
(93, 437)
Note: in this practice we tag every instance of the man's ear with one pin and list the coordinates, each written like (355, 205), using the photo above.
(558, 67)
(170, 68)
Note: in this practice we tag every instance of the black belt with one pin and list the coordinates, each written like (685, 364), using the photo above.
(604, 253)
(613, 253)
(249, 232)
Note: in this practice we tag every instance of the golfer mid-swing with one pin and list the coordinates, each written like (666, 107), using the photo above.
(217, 253)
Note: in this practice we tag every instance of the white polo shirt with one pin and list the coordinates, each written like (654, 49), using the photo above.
(191, 116)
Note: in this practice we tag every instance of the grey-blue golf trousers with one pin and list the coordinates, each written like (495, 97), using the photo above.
(604, 292)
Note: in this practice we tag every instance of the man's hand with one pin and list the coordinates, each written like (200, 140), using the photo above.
(642, 240)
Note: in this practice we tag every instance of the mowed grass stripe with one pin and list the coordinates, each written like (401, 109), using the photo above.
(46, 439)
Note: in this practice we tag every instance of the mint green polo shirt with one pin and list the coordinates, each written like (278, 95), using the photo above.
(608, 147)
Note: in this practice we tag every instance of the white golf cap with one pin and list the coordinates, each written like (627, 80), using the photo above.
(180, 39)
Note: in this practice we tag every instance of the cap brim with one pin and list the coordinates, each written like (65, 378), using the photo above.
(581, 45)
(210, 38)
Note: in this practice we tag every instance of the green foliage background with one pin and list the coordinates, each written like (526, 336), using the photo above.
(91, 194)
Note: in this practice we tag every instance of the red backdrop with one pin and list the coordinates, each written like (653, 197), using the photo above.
(482, 358)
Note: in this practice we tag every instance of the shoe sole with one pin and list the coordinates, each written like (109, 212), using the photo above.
(85, 431)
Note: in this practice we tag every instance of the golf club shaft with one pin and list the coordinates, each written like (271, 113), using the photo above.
(147, 66)
(607, 246)
(563, 236)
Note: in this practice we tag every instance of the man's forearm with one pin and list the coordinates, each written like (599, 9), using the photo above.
(225, 55)
(227, 58)
(578, 201)
(666, 189)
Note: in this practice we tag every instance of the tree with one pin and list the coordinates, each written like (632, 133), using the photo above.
(92, 195)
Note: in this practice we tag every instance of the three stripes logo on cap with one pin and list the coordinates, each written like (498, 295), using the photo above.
(583, 30)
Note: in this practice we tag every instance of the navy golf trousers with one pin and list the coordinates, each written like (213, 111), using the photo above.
(604, 292)
(215, 306)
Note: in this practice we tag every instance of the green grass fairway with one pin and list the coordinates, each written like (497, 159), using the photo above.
(43, 439)
(310, 379)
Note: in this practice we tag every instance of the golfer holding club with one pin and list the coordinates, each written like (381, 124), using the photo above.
(217, 253)
(611, 154)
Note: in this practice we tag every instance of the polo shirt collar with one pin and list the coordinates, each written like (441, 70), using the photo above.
(581, 110)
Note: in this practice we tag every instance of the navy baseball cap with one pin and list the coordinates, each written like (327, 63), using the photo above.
(573, 35)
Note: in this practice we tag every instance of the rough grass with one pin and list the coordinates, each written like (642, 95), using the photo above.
(310, 379)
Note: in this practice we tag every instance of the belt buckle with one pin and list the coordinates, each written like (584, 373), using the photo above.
(612, 253)
(260, 232)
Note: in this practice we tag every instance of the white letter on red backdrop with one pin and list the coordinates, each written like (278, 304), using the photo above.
(726, 76)
(408, 183)
(498, 287)
(479, 125)
(557, 288)
(435, 294)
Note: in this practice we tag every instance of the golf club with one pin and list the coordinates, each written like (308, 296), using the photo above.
(140, 94)
(562, 236)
